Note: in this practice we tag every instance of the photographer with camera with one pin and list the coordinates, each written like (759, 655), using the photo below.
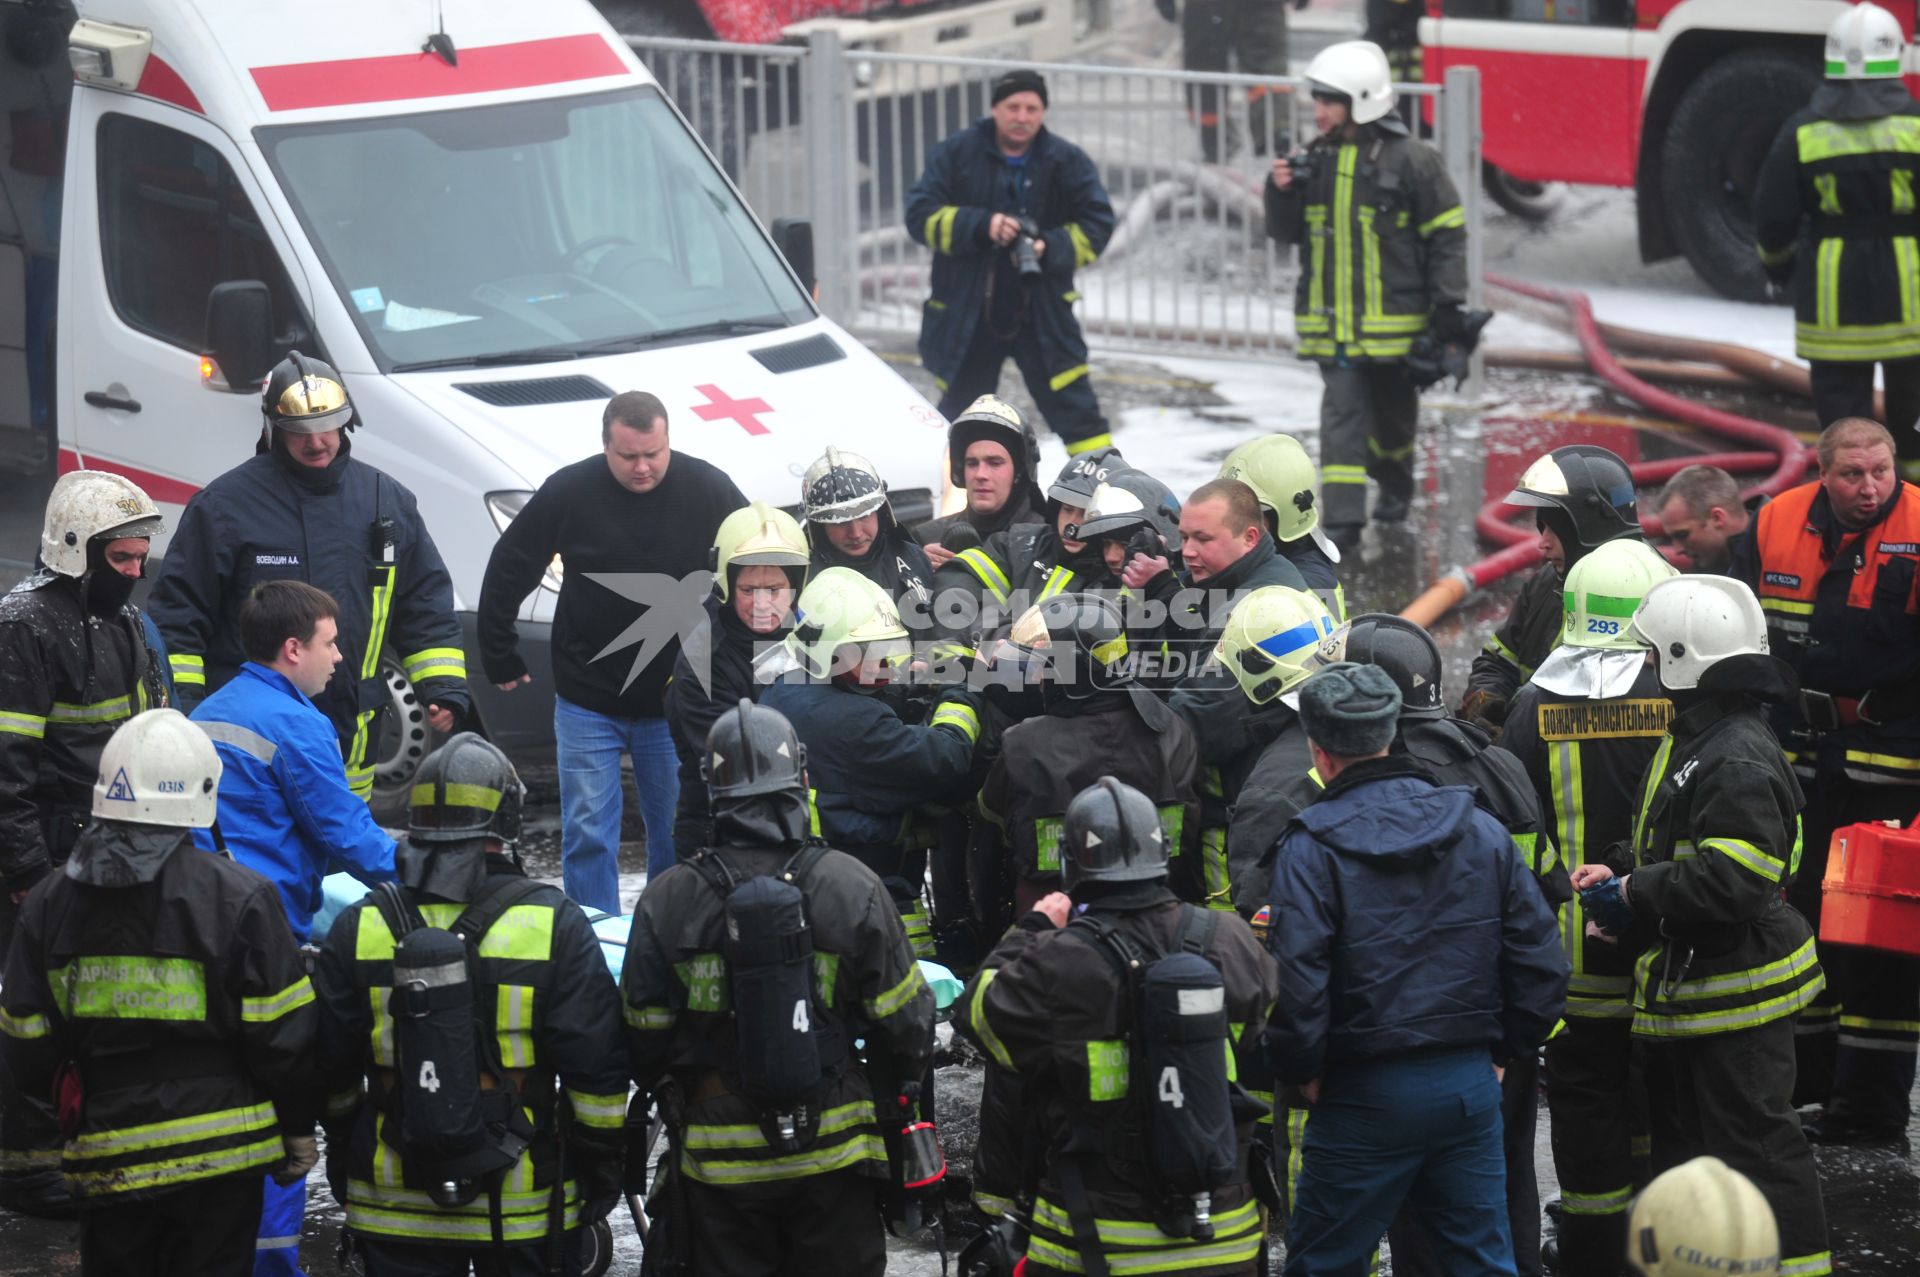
(1383, 281)
(1011, 211)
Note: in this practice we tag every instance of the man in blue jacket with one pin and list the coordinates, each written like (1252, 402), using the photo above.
(285, 809)
(1000, 289)
(1417, 955)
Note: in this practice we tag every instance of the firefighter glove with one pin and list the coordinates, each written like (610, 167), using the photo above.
(303, 1154)
(1607, 906)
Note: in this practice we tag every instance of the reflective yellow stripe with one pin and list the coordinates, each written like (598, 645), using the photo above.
(654, 1019)
(178, 1170)
(1186, 1256)
(32, 726)
(1139, 1232)
(1315, 319)
(1343, 474)
(939, 228)
(1902, 189)
(435, 662)
(1370, 274)
(602, 1112)
(1056, 584)
(111, 711)
(862, 1147)
(479, 796)
(1892, 762)
(981, 564)
(1792, 606)
(377, 632)
(1826, 311)
(292, 998)
(1455, 216)
(879, 1008)
(746, 1135)
(190, 670)
(1774, 258)
(1748, 857)
(1830, 139)
(1343, 244)
(513, 1025)
(1818, 1265)
(1083, 250)
(1829, 193)
(956, 714)
(1885, 1026)
(392, 1211)
(1078, 446)
(977, 1017)
(1612, 1203)
(1061, 380)
(179, 1130)
(25, 1027)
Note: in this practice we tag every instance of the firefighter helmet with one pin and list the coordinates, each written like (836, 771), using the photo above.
(466, 789)
(158, 768)
(1269, 637)
(1396, 645)
(758, 535)
(1356, 70)
(1592, 486)
(753, 750)
(840, 487)
(994, 419)
(1111, 833)
(1277, 469)
(1604, 588)
(1865, 43)
(92, 505)
(1127, 501)
(306, 396)
(1694, 622)
(1077, 479)
(838, 607)
(1702, 1219)
(1073, 644)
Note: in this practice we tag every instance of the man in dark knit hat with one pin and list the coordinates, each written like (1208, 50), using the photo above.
(1011, 211)
(1417, 956)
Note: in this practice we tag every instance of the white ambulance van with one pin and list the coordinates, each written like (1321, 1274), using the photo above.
(487, 216)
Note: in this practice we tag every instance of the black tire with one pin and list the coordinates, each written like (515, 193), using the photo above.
(1710, 161)
(404, 741)
(596, 1249)
(1529, 201)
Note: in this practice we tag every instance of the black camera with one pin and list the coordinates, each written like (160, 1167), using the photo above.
(1025, 257)
(1301, 162)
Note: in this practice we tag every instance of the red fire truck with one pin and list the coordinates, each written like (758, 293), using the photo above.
(1678, 99)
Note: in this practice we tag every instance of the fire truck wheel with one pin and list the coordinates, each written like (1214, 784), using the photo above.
(1710, 161)
(1532, 201)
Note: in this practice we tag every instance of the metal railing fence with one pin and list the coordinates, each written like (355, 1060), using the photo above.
(840, 135)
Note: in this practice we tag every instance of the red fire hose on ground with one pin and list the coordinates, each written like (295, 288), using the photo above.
(1783, 458)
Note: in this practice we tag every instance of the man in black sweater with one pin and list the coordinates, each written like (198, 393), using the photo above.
(633, 528)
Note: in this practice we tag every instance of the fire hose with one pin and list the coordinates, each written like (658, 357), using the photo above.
(1784, 458)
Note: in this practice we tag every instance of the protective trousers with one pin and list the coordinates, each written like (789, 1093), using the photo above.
(819, 1224)
(1590, 1097)
(385, 1258)
(1368, 413)
(1067, 401)
(1858, 1043)
(201, 1229)
(1846, 390)
(1212, 33)
(1729, 1095)
(1413, 1254)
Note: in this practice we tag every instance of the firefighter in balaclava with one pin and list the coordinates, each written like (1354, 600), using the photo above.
(304, 508)
(1586, 728)
(752, 968)
(156, 993)
(1834, 221)
(1119, 1008)
(74, 666)
(1281, 475)
(476, 1071)
(759, 564)
(1725, 963)
(850, 524)
(1702, 1219)
(872, 771)
(993, 459)
(1582, 497)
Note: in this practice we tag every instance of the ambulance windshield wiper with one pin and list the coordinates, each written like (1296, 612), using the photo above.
(717, 328)
(534, 355)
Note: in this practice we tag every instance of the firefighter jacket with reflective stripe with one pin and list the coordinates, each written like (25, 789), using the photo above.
(285, 808)
(895, 562)
(949, 209)
(179, 995)
(869, 767)
(1382, 239)
(1008, 573)
(349, 530)
(67, 680)
(1842, 610)
(1524, 639)
(1127, 734)
(547, 1017)
(1586, 759)
(1715, 842)
(1404, 919)
(1231, 743)
(1051, 1008)
(1833, 208)
(1456, 752)
(678, 998)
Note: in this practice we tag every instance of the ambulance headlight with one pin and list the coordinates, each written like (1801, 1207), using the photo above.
(504, 508)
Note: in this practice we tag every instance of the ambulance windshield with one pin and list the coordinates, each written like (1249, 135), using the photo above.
(528, 231)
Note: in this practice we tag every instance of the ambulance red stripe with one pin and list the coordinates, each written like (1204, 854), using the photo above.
(157, 486)
(304, 86)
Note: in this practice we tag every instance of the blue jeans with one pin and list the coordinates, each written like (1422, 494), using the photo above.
(589, 749)
(1424, 1129)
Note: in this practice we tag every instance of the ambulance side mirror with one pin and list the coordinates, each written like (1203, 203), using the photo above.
(793, 236)
(240, 332)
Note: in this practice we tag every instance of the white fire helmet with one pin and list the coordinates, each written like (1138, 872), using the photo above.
(1702, 1219)
(86, 504)
(1865, 43)
(158, 768)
